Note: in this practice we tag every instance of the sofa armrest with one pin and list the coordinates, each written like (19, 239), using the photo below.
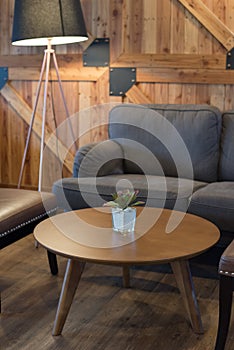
(98, 159)
(80, 154)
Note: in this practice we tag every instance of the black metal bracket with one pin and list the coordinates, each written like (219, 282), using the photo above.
(121, 80)
(230, 59)
(97, 54)
(3, 76)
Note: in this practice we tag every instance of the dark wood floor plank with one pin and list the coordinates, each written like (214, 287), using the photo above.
(104, 315)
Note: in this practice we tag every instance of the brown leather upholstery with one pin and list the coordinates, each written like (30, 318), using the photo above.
(226, 288)
(226, 264)
(20, 211)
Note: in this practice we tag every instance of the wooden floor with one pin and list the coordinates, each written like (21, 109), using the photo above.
(104, 315)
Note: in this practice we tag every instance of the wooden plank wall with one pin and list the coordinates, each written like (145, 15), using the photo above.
(179, 50)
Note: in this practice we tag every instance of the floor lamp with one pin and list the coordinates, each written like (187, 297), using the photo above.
(46, 23)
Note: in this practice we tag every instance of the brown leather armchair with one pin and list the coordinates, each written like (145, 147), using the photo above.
(226, 288)
(20, 211)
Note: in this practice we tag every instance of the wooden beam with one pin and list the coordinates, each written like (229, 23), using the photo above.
(14, 61)
(20, 60)
(191, 76)
(171, 61)
(137, 96)
(210, 21)
(66, 74)
(25, 112)
(31, 64)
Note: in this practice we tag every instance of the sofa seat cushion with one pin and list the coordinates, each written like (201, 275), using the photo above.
(215, 202)
(156, 191)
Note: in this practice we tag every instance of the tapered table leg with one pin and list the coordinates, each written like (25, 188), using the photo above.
(184, 281)
(126, 276)
(52, 262)
(70, 283)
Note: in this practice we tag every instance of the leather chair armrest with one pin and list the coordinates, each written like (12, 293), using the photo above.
(226, 264)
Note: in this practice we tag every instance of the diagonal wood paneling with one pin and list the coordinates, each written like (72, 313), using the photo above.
(135, 95)
(25, 112)
(211, 22)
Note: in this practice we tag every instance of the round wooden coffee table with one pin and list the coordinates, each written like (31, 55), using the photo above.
(86, 236)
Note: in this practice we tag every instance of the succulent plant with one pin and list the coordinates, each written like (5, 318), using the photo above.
(124, 199)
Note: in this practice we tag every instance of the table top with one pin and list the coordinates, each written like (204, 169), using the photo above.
(160, 236)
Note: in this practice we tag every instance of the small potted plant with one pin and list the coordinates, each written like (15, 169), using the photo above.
(123, 211)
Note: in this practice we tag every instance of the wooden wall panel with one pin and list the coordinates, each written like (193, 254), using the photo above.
(178, 58)
(220, 96)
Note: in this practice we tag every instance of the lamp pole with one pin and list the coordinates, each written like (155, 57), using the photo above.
(45, 68)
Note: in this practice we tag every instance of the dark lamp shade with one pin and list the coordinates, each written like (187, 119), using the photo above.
(36, 21)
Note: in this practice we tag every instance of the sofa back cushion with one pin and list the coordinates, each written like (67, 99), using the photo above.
(226, 163)
(168, 140)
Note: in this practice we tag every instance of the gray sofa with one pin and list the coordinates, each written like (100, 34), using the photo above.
(178, 157)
